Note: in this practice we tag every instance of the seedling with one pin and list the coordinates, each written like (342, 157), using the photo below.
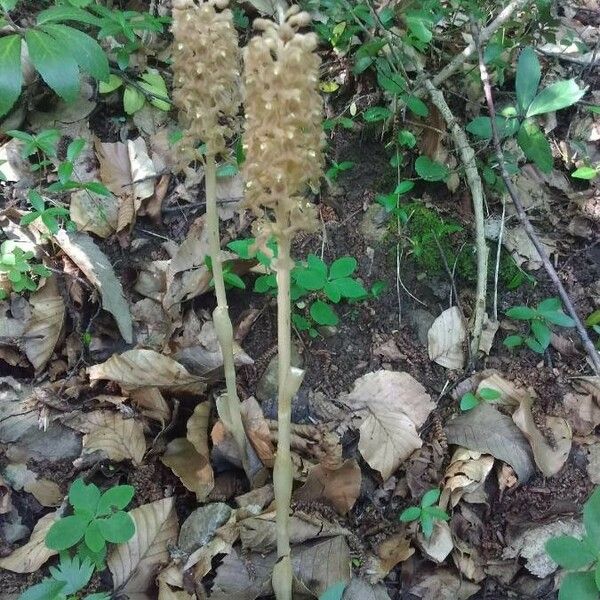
(19, 269)
(426, 513)
(580, 557)
(472, 399)
(548, 312)
(52, 217)
(337, 168)
(42, 145)
(97, 518)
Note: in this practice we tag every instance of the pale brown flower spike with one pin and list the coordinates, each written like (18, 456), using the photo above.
(283, 143)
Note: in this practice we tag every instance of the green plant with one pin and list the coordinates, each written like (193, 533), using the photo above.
(530, 103)
(548, 312)
(580, 557)
(426, 513)
(336, 168)
(472, 399)
(52, 217)
(42, 145)
(97, 518)
(20, 271)
(593, 321)
(586, 172)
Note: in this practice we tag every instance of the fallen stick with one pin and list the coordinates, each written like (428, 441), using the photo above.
(593, 354)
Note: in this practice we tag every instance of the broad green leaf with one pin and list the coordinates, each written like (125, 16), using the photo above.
(11, 75)
(407, 138)
(512, 341)
(377, 113)
(264, 283)
(114, 82)
(323, 314)
(528, 78)
(84, 496)
(391, 82)
(93, 538)
(412, 513)
(97, 188)
(68, 13)
(54, 63)
(342, 267)
(234, 280)
(153, 82)
(593, 318)
(65, 532)
(362, 64)
(426, 524)
(48, 589)
(316, 264)
(416, 106)
(597, 575)
(482, 127)
(549, 304)
(591, 519)
(36, 200)
(404, 187)
(522, 313)
(535, 145)
(73, 572)
(534, 345)
(468, 401)
(118, 528)
(116, 497)
(542, 333)
(430, 497)
(8, 4)
(309, 279)
(334, 592)
(132, 100)
(569, 552)
(349, 288)
(417, 24)
(558, 317)
(489, 394)
(431, 170)
(242, 248)
(437, 513)
(300, 322)
(585, 173)
(578, 586)
(332, 292)
(84, 49)
(556, 96)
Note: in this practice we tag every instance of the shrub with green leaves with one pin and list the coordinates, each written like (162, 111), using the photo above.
(519, 120)
(548, 312)
(17, 267)
(97, 518)
(427, 513)
(484, 395)
(580, 557)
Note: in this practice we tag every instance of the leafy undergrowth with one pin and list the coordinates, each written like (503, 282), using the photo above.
(420, 471)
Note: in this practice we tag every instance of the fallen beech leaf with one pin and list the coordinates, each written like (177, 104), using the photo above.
(44, 328)
(119, 438)
(517, 242)
(141, 368)
(46, 492)
(486, 430)
(30, 557)
(133, 565)
(5, 497)
(583, 412)
(510, 394)
(439, 545)
(358, 589)
(152, 404)
(465, 476)
(257, 430)
(200, 526)
(593, 467)
(392, 551)
(446, 339)
(339, 487)
(549, 458)
(94, 264)
(94, 213)
(166, 593)
(245, 579)
(396, 404)
(443, 584)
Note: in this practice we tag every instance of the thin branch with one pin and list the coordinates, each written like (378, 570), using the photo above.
(592, 353)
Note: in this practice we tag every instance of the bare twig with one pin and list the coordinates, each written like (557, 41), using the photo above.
(498, 255)
(525, 223)
(467, 157)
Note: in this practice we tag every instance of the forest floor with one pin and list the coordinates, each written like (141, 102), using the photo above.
(377, 420)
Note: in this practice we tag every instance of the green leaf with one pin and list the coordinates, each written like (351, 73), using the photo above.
(578, 586)
(534, 345)
(234, 280)
(489, 394)
(549, 304)
(412, 513)
(47, 589)
(535, 145)
(116, 497)
(332, 292)
(430, 497)
(468, 401)
(482, 127)
(73, 572)
(528, 78)
(521, 313)
(310, 279)
(417, 25)
(391, 82)
(114, 82)
(376, 113)
(36, 200)
(83, 496)
(323, 314)
(349, 288)
(334, 592)
(569, 552)
(556, 96)
(437, 513)
(85, 50)
(118, 528)
(242, 248)
(54, 63)
(68, 13)
(8, 5)
(597, 575)
(416, 106)
(65, 170)
(593, 318)
(342, 267)
(65, 532)
(300, 322)
(93, 537)
(542, 333)
(153, 82)
(585, 173)
(132, 100)
(404, 187)
(227, 170)
(512, 341)
(426, 524)
(11, 75)
(264, 283)
(558, 317)
(407, 138)
(75, 148)
(97, 188)
(430, 170)
(316, 264)
(47, 141)
(591, 518)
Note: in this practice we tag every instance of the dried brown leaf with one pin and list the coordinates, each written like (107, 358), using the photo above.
(446, 339)
(257, 430)
(152, 404)
(392, 551)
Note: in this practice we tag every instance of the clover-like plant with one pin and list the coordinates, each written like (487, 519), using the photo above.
(51, 216)
(19, 269)
(580, 557)
(472, 399)
(548, 312)
(97, 518)
(427, 513)
(283, 143)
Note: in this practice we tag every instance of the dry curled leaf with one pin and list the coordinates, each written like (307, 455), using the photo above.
(392, 551)
(133, 565)
(465, 477)
(257, 430)
(446, 339)
(152, 404)
(393, 405)
(146, 368)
